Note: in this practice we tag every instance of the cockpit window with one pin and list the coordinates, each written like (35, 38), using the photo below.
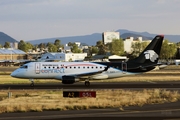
(24, 67)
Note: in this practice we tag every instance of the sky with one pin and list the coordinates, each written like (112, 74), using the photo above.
(38, 19)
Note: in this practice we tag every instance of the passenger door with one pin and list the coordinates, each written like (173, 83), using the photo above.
(37, 68)
(124, 67)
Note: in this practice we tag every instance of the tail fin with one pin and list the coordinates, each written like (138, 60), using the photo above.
(151, 52)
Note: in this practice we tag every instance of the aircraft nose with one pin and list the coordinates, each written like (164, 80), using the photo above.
(13, 74)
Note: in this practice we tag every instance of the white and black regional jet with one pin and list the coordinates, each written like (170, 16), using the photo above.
(71, 72)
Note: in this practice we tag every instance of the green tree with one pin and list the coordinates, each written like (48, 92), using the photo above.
(144, 45)
(23, 46)
(75, 49)
(0, 46)
(57, 43)
(29, 46)
(70, 44)
(168, 50)
(102, 49)
(7, 45)
(35, 47)
(137, 48)
(48, 44)
(94, 50)
(42, 46)
(52, 47)
(116, 47)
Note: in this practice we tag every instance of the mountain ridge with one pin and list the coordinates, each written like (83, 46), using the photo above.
(6, 38)
(90, 39)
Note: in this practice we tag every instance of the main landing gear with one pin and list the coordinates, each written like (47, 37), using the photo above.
(32, 82)
(87, 83)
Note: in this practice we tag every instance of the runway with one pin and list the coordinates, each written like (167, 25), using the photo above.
(94, 85)
(167, 111)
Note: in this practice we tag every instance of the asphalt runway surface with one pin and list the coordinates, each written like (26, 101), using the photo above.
(167, 111)
(94, 85)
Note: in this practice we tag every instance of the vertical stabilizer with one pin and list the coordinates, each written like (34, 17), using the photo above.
(151, 52)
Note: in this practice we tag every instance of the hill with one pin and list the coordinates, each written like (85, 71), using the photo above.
(6, 38)
(171, 38)
(93, 38)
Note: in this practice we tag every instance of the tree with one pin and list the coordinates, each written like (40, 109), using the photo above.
(116, 47)
(137, 48)
(52, 47)
(29, 46)
(168, 50)
(22, 46)
(35, 47)
(75, 49)
(42, 46)
(7, 45)
(70, 44)
(0, 46)
(57, 43)
(92, 50)
(102, 49)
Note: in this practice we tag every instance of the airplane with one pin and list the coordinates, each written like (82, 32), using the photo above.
(71, 72)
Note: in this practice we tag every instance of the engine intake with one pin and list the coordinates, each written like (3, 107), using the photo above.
(69, 79)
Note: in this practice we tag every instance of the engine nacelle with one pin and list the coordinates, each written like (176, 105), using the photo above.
(69, 79)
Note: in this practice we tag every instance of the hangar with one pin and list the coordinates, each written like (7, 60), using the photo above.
(9, 56)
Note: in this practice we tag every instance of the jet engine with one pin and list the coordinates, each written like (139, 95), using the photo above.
(69, 79)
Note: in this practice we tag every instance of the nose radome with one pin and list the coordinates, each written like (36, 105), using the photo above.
(13, 74)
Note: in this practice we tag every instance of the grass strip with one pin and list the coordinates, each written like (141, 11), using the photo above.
(33, 100)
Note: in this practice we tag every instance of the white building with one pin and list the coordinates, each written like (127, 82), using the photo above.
(66, 49)
(129, 41)
(109, 36)
(64, 56)
(78, 43)
(127, 44)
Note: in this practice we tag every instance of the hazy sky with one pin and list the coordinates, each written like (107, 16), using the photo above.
(37, 19)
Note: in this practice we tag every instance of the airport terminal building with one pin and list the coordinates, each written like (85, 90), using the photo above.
(8, 56)
(64, 57)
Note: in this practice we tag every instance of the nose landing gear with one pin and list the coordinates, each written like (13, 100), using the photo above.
(32, 82)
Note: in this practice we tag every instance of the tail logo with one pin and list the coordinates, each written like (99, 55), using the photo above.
(151, 55)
